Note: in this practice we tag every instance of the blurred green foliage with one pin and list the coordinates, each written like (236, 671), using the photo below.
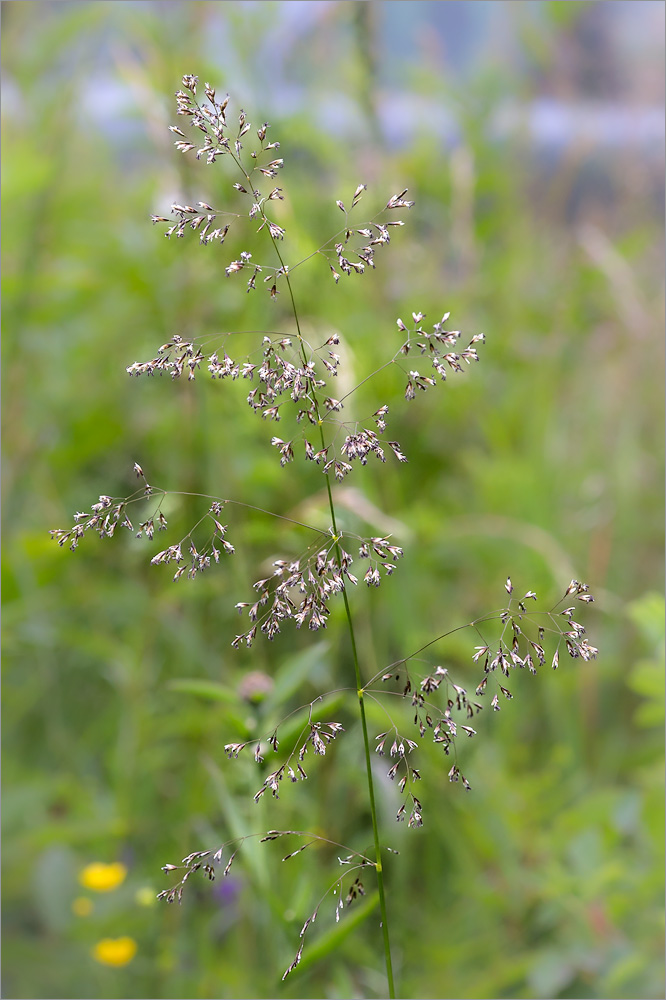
(121, 689)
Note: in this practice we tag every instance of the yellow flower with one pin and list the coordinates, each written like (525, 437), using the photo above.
(82, 906)
(103, 878)
(115, 951)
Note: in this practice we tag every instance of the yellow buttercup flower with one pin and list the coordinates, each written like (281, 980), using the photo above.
(103, 878)
(115, 951)
(82, 906)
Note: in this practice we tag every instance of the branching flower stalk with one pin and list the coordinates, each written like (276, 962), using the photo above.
(295, 377)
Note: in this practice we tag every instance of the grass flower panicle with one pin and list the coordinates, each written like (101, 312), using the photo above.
(287, 376)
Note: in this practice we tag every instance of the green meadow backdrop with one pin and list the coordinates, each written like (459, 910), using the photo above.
(531, 138)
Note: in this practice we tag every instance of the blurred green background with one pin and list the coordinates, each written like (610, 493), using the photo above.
(531, 137)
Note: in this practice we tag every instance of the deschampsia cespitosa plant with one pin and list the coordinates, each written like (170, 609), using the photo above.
(290, 379)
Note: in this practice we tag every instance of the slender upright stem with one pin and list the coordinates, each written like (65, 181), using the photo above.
(350, 626)
(371, 795)
(359, 684)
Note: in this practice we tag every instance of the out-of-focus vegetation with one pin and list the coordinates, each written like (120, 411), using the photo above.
(544, 462)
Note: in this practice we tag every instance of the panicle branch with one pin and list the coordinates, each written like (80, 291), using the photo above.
(524, 636)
